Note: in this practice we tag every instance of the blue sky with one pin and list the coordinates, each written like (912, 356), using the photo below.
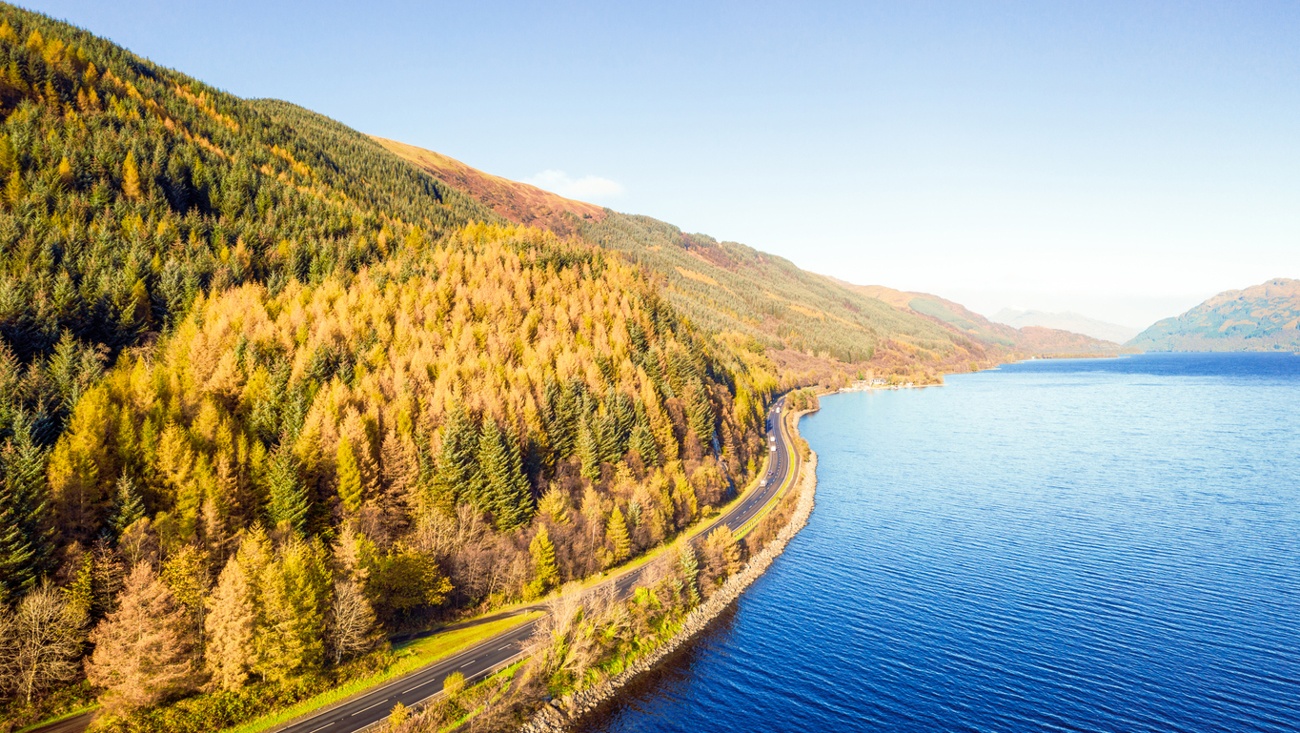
(1124, 160)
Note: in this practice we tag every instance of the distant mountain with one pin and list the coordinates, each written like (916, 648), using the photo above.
(1066, 322)
(1264, 317)
(1026, 340)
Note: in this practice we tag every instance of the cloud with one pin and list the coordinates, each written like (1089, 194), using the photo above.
(587, 187)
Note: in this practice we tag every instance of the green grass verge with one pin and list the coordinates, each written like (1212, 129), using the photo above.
(411, 656)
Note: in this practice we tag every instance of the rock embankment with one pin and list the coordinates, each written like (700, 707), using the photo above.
(560, 715)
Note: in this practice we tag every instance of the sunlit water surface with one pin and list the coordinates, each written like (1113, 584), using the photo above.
(1102, 545)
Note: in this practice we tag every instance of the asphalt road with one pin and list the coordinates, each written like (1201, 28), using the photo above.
(484, 658)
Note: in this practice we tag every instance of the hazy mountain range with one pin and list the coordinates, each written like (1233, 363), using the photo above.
(1066, 321)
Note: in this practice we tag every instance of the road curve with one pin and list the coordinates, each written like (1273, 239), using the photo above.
(372, 706)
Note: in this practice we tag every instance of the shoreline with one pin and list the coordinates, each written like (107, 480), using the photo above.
(562, 715)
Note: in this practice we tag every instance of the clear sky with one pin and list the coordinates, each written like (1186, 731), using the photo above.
(1124, 160)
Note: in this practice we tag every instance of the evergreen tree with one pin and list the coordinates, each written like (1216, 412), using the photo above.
(689, 565)
(350, 487)
(287, 503)
(589, 452)
(643, 442)
(25, 542)
(506, 493)
(128, 509)
(457, 465)
(700, 414)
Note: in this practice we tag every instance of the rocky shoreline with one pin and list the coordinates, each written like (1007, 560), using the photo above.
(560, 715)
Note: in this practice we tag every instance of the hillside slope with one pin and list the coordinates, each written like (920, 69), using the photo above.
(1031, 340)
(517, 202)
(1264, 317)
(809, 322)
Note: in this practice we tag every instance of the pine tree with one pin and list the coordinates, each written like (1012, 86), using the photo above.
(589, 452)
(229, 626)
(24, 530)
(689, 565)
(350, 487)
(506, 493)
(287, 503)
(616, 534)
(643, 442)
(456, 469)
(699, 412)
(142, 652)
(128, 509)
(546, 574)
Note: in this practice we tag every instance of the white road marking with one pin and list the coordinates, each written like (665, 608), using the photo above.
(422, 684)
(362, 710)
(323, 727)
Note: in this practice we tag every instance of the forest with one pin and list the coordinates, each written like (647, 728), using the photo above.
(270, 395)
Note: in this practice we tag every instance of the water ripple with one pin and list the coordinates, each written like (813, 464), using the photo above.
(1059, 546)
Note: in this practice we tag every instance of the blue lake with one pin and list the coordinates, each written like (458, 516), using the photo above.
(1099, 545)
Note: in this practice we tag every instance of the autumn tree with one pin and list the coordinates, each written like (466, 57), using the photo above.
(403, 582)
(350, 487)
(42, 640)
(546, 574)
(142, 652)
(620, 542)
(721, 555)
(230, 625)
(293, 594)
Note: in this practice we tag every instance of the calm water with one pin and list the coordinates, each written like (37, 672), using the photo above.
(1106, 545)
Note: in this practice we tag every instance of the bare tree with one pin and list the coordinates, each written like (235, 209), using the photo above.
(41, 643)
(352, 621)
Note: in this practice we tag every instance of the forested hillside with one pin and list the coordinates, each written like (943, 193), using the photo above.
(269, 394)
(812, 325)
(1264, 317)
